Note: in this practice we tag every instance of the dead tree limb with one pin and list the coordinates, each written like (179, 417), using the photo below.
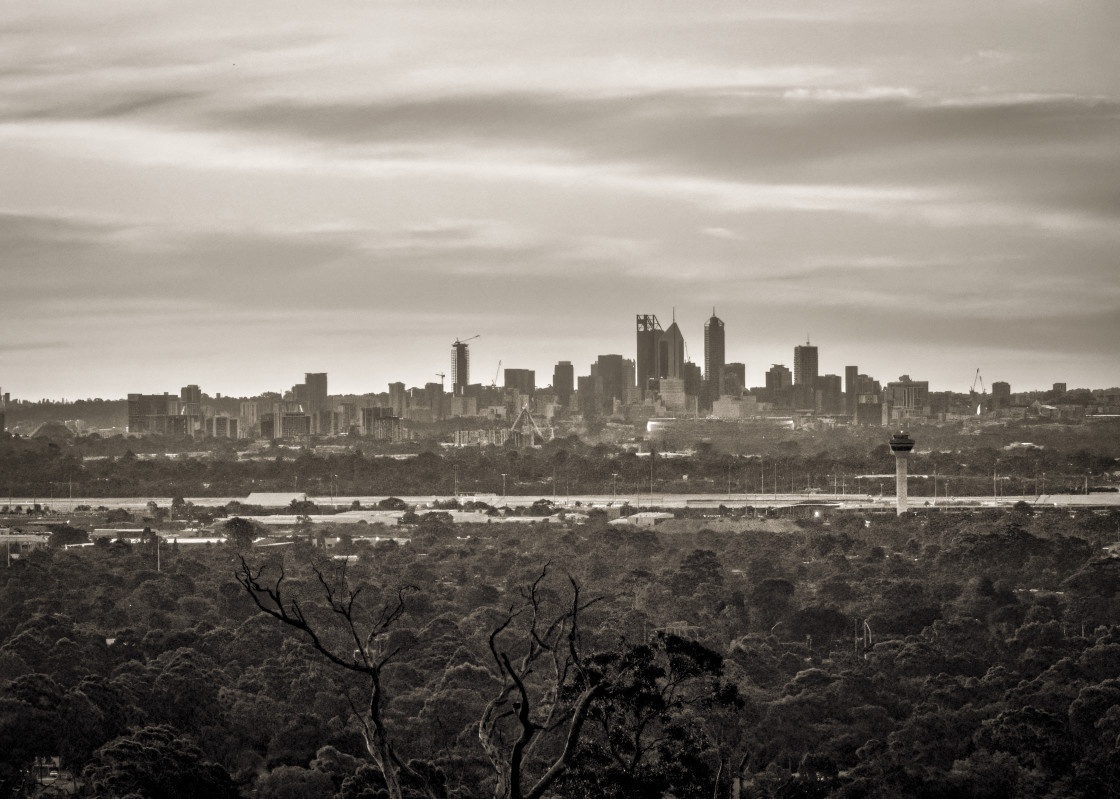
(367, 658)
(526, 707)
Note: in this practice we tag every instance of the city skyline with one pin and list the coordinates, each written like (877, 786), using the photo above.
(231, 197)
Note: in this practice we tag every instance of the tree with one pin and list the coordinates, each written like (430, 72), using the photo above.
(240, 532)
(545, 691)
(63, 535)
(366, 654)
(156, 762)
(647, 728)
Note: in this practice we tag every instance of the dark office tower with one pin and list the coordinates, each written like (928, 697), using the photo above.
(851, 389)
(590, 396)
(693, 379)
(670, 353)
(524, 380)
(714, 353)
(190, 393)
(805, 365)
(734, 379)
(612, 372)
(1001, 394)
(563, 381)
(316, 383)
(828, 396)
(649, 336)
(778, 377)
(460, 367)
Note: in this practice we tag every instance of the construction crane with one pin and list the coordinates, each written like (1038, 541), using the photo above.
(973, 394)
(494, 382)
(465, 340)
(440, 375)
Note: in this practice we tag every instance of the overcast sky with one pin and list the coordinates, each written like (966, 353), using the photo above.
(233, 194)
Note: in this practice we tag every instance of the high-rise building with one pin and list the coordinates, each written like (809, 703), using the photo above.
(778, 377)
(316, 383)
(190, 407)
(805, 365)
(524, 380)
(734, 379)
(851, 391)
(907, 397)
(563, 381)
(315, 388)
(828, 396)
(693, 379)
(398, 398)
(460, 367)
(615, 372)
(649, 337)
(160, 414)
(670, 353)
(1001, 395)
(714, 354)
(590, 396)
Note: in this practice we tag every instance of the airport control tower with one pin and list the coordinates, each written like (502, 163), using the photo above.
(901, 444)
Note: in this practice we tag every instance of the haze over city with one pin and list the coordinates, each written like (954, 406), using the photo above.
(232, 196)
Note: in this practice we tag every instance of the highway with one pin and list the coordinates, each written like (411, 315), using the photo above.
(851, 501)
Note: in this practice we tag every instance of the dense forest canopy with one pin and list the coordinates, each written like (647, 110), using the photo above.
(929, 655)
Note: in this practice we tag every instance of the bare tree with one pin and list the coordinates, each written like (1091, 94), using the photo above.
(364, 652)
(531, 704)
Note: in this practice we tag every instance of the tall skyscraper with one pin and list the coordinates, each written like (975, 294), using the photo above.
(460, 367)
(805, 365)
(563, 381)
(649, 337)
(670, 353)
(851, 389)
(714, 352)
(612, 371)
(316, 383)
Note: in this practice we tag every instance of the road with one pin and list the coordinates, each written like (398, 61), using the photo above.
(853, 501)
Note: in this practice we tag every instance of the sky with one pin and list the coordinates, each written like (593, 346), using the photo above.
(234, 194)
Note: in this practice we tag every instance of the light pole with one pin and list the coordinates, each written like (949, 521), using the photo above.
(614, 485)
(503, 487)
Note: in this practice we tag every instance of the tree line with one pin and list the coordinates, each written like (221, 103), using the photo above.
(959, 465)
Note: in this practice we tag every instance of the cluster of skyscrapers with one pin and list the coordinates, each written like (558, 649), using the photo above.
(660, 380)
